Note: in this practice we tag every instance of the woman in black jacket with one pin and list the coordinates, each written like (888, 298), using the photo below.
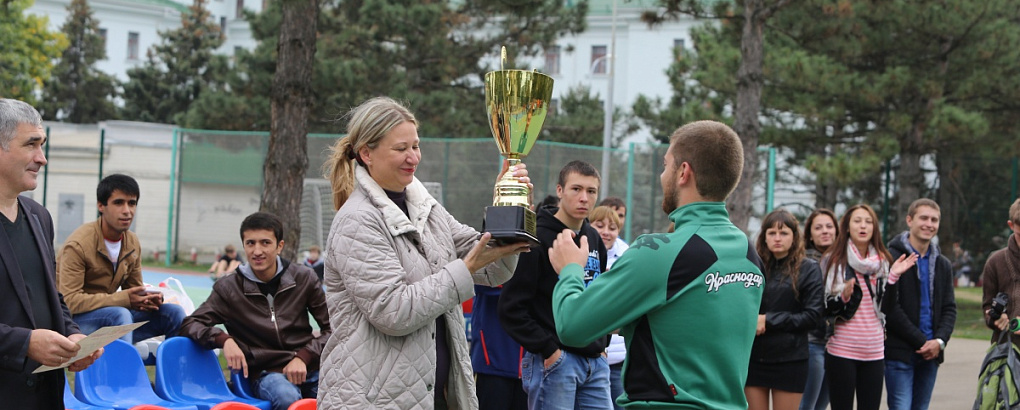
(790, 307)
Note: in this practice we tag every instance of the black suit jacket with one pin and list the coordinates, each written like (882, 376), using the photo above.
(19, 388)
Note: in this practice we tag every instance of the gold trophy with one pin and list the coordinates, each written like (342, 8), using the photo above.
(517, 102)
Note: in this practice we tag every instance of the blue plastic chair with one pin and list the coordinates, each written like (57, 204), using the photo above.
(240, 386)
(189, 373)
(72, 403)
(118, 380)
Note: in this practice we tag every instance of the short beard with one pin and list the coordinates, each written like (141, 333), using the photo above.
(669, 196)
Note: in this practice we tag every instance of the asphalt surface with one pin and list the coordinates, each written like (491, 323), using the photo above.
(956, 384)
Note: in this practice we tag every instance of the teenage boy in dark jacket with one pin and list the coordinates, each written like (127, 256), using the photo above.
(265, 307)
(554, 375)
(920, 311)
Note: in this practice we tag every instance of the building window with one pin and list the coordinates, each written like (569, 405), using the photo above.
(679, 45)
(598, 60)
(552, 60)
(554, 107)
(223, 25)
(132, 45)
(102, 33)
(240, 9)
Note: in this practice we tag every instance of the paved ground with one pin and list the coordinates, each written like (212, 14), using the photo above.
(956, 385)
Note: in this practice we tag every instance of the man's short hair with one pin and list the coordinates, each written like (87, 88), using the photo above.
(315, 248)
(577, 167)
(1014, 212)
(116, 182)
(262, 221)
(13, 113)
(714, 152)
(613, 202)
(912, 209)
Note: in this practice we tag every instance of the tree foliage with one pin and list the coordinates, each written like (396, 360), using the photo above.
(850, 86)
(580, 119)
(78, 92)
(427, 54)
(177, 70)
(27, 50)
(749, 17)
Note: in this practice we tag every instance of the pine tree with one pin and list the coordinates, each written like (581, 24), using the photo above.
(427, 54)
(77, 92)
(580, 119)
(177, 70)
(27, 50)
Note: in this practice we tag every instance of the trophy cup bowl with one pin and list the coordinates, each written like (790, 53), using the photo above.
(517, 102)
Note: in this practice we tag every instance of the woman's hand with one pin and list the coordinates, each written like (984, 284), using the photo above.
(848, 289)
(483, 254)
(520, 171)
(901, 265)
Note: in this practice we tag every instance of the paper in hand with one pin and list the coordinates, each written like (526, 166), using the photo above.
(93, 342)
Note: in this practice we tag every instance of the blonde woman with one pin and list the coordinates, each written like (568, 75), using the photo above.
(606, 221)
(398, 267)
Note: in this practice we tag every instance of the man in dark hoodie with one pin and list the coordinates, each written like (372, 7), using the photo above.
(920, 311)
(265, 308)
(554, 375)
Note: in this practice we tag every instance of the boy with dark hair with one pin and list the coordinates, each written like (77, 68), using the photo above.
(580, 377)
(265, 307)
(103, 256)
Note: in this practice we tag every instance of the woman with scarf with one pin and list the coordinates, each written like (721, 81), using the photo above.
(854, 359)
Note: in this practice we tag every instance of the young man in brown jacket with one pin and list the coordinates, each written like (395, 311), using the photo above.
(99, 271)
(1000, 276)
(265, 306)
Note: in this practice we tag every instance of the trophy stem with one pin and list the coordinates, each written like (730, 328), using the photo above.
(509, 191)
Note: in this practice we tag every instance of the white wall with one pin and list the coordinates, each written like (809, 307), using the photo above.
(148, 18)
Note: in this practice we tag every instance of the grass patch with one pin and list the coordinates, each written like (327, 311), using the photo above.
(970, 320)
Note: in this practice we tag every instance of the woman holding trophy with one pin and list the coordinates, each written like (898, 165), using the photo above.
(398, 267)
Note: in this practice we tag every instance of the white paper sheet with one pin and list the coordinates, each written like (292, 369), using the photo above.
(93, 342)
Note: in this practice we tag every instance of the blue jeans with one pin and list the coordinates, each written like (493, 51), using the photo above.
(909, 385)
(572, 382)
(280, 392)
(816, 392)
(616, 383)
(165, 321)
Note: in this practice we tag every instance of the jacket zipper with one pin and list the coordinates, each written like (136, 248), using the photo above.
(272, 317)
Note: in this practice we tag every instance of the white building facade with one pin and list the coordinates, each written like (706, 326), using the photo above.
(132, 27)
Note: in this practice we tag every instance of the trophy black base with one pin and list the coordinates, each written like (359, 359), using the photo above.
(510, 224)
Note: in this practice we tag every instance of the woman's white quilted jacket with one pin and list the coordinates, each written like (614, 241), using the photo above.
(387, 279)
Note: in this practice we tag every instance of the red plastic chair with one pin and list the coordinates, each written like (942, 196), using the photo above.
(303, 404)
(233, 405)
(148, 407)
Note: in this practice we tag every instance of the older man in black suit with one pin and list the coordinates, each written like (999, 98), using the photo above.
(35, 325)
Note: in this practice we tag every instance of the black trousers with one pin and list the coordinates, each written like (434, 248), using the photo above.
(500, 393)
(847, 377)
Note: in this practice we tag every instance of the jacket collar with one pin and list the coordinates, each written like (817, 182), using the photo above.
(419, 204)
(702, 213)
(285, 270)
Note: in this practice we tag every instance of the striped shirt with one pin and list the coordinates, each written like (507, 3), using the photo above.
(862, 337)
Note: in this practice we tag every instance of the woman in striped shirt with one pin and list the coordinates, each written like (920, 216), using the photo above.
(855, 352)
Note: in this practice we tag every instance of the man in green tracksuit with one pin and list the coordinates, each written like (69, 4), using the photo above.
(687, 301)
